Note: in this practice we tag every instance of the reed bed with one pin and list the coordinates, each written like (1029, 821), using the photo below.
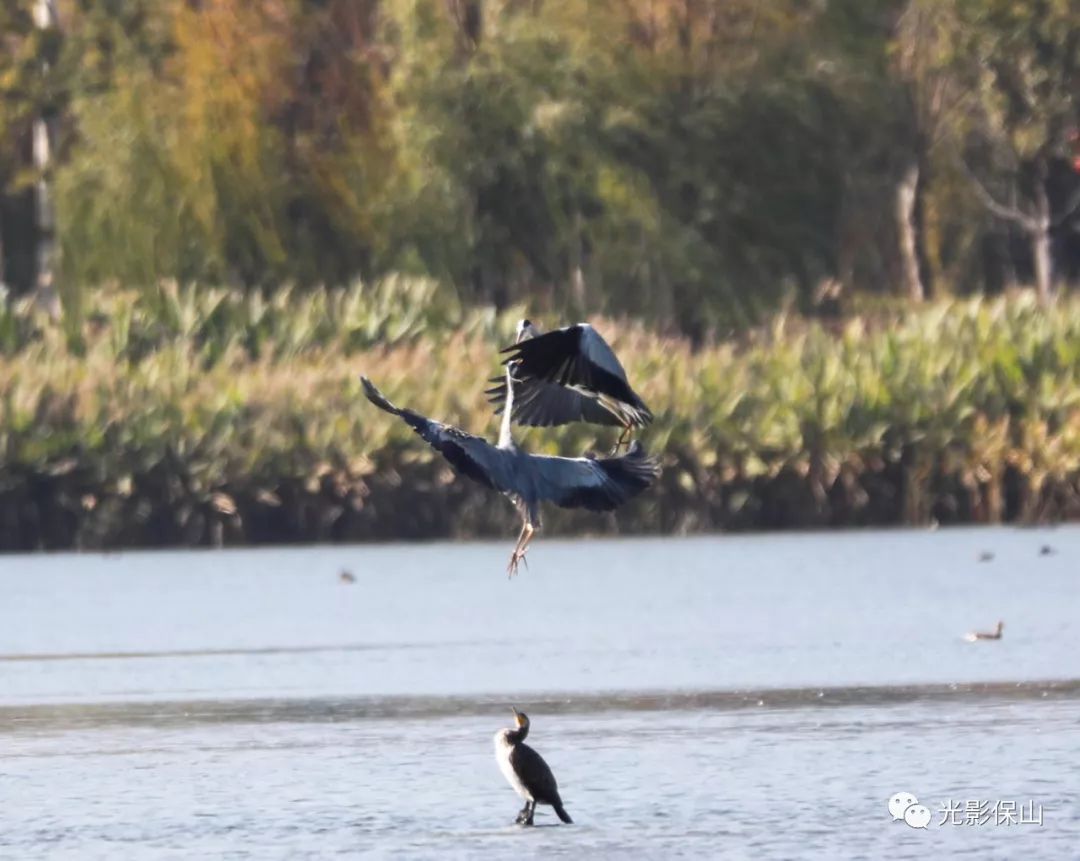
(196, 416)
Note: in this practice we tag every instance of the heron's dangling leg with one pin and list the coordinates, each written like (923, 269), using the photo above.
(511, 569)
(530, 531)
(519, 549)
(622, 440)
(527, 532)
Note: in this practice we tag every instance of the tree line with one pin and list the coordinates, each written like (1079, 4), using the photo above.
(696, 163)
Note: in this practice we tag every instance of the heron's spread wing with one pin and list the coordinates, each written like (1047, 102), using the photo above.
(600, 484)
(575, 357)
(535, 774)
(470, 455)
(595, 349)
(538, 403)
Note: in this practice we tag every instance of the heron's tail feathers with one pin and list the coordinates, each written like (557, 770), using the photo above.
(378, 398)
(562, 814)
(633, 471)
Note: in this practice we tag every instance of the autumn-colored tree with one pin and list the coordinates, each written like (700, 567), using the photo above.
(696, 162)
(245, 142)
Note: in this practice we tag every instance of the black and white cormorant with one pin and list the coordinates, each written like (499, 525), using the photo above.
(568, 375)
(526, 771)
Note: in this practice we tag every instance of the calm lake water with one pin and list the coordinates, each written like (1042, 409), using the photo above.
(711, 697)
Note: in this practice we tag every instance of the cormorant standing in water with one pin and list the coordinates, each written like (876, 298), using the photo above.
(526, 771)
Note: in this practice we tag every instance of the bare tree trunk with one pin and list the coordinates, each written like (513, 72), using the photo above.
(1040, 244)
(577, 262)
(43, 200)
(45, 17)
(906, 191)
(1036, 225)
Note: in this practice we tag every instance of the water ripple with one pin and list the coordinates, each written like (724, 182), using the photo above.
(335, 709)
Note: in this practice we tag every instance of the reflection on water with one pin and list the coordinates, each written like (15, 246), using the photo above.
(752, 697)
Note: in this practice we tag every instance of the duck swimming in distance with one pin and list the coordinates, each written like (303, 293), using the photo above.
(973, 636)
(526, 771)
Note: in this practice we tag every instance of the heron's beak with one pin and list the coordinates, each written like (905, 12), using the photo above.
(525, 330)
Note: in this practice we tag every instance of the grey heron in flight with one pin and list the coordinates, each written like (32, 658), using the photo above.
(596, 484)
(568, 375)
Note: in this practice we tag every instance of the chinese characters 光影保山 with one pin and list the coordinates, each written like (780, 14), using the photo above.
(1001, 812)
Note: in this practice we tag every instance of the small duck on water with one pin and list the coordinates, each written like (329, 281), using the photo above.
(526, 771)
(973, 636)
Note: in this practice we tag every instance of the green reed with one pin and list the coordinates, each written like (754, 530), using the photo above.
(193, 416)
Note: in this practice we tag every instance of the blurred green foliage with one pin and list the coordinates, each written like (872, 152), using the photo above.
(207, 416)
(383, 186)
(697, 164)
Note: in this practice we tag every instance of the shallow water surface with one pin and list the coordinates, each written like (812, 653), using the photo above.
(712, 697)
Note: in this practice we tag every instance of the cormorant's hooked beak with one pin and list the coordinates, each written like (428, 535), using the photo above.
(519, 719)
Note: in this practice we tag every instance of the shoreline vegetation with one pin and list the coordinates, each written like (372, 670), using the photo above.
(198, 416)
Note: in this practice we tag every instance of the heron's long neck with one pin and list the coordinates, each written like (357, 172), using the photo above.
(505, 440)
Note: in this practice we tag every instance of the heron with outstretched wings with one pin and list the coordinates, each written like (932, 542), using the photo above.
(568, 375)
(596, 484)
